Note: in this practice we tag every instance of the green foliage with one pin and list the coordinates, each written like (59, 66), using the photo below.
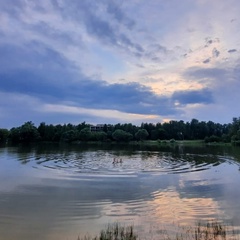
(99, 136)
(85, 134)
(154, 134)
(226, 138)
(141, 134)
(162, 134)
(69, 136)
(47, 132)
(29, 133)
(236, 143)
(26, 133)
(122, 136)
(14, 135)
(235, 140)
(81, 126)
(235, 127)
(235, 131)
(42, 130)
(179, 130)
(212, 138)
(238, 134)
(3, 135)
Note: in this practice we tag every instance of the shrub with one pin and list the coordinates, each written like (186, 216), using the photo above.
(122, 136)
(212, 138)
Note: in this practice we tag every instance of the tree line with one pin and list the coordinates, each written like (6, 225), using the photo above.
(172, 130)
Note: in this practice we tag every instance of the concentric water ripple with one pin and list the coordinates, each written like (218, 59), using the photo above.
(102, 162)
(72, 191)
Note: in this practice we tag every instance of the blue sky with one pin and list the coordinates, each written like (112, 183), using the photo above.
(113, 62)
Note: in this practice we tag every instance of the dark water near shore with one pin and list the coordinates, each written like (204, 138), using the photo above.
(62, 191)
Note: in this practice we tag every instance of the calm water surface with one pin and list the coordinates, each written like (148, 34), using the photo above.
(60, 192)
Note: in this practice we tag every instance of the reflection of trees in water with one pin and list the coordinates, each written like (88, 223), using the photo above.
(136, 157)
(76, 195)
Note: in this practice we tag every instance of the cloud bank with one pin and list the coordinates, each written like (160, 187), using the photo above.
(113, 62)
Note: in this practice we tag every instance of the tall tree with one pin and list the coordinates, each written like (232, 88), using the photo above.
(122, 136)
(141, 134)
(25, 133)
(3, 135)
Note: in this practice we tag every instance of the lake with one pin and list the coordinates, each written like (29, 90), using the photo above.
(60, 192)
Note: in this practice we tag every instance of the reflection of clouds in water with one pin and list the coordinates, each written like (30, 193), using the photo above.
(55, 205)
(219, 183)
(172, 212)
(37, 211)
(67, 206)
(170, 206)
(164, 210)
(58, 203)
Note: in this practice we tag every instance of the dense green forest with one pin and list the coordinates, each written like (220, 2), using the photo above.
(173, 130)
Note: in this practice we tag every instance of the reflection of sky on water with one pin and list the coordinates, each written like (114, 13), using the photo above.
(48, 203)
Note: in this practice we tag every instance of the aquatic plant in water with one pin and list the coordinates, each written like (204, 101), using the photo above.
(114, 232)
(202, 231)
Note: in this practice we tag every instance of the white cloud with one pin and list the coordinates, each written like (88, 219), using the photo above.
(99, 113)
(160, 44)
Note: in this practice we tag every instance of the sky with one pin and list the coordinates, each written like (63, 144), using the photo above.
(106, 61)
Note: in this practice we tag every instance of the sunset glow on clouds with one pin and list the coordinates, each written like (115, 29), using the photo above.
(111, 61)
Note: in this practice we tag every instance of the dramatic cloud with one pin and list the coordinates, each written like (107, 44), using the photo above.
(87, 93)
(224, 83)
(136, 61)
(192, 97)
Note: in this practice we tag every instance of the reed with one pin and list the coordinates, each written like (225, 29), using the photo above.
(206, 231)
(202, 231)
(114, 232)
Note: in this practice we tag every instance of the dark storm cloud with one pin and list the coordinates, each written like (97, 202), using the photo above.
(203, 96)
(46, 75)
(87, 93)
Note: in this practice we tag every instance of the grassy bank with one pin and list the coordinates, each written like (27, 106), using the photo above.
(179, 142)
(207, 231)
